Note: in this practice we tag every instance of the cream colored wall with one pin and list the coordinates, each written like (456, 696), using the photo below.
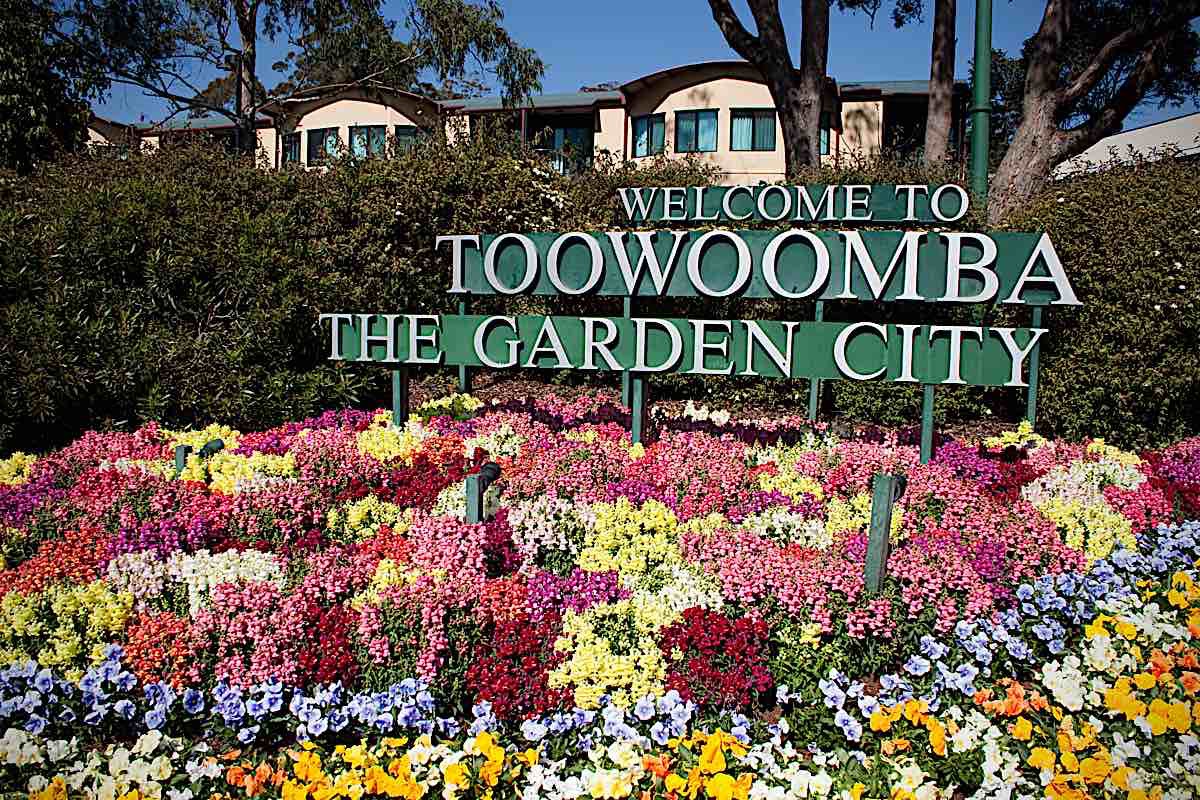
(722, 94)
(267, 140)
(96, 138)
(611, 136)
(862, 129)
(347, 113)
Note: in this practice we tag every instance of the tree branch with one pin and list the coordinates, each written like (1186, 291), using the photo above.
(771, 36)
(1128, 41)
(1044, 61)
(1126, 98)
(747, 45)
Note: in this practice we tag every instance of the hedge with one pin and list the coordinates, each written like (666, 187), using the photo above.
(185, 284)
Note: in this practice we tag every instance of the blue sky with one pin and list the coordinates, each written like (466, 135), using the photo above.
(591, 41)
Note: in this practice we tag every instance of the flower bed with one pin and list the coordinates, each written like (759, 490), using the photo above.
(306, 614)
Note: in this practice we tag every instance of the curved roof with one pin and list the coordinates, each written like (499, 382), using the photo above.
(728, 64)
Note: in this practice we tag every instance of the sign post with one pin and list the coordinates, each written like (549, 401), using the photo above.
(981, 111)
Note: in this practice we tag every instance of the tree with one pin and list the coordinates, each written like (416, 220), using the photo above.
(1091, 63)
(43, 88)
(939, 116)
(797, 93)
(170, 48)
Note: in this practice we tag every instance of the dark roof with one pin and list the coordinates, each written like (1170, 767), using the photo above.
(542, 101)
(886, 88)
(183, 122)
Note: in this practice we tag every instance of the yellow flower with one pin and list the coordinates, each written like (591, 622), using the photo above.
(1041, 758)
(1157, 717)
(856, 791)
(455, 775)
(937, 737)
(724, 787)
(712, 760)
(294, 791)
(1179, 717)
(1023, 729)
(688, 788)
(1144, 680)
(1094, 770)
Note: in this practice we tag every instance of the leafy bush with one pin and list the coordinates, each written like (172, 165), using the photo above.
(1125, 365)
(186, 284)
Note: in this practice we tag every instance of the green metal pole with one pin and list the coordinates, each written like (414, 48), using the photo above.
(637, 390)
(814, 384)
(982, 106)
(464, 374)
(927, 424)
(626, 396)
(400, 397)
(1031, 396)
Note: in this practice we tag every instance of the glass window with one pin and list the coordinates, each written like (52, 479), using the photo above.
(649, 135)
(752, 130)
(291, 148)
(322, 145)
(825, 126)
(407, 137)
(695, 131)
(368, 140)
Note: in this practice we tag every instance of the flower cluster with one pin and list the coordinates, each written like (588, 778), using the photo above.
(305, 613)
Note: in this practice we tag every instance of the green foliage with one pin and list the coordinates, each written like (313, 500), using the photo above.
(1126, 365)
(42, 92)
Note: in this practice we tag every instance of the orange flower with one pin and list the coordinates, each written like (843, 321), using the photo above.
(660, 767)
(1190, 681)
(235, 775)
(1160, 663)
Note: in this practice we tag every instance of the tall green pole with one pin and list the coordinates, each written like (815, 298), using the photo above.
(982, 107)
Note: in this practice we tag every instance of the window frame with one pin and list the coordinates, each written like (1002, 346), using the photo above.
(826, 132)
(325, 156)
(661, 118)
(695, 113)
(755, 113)
(295, 137)
(411, 138)
(381, 128)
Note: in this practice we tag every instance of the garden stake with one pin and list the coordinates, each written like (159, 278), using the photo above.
(885, 491)
(181, 454)
(476, 487)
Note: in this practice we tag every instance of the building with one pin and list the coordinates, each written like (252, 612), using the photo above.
(718, 111)
(1178, 137)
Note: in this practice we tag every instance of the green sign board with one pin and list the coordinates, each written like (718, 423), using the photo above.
(789, 262)
(938, 354)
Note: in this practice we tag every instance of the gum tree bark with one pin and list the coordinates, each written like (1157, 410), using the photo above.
(797, 92)
(941, 83)
(1052, 94)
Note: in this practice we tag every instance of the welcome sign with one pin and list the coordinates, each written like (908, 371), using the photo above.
(919, 264)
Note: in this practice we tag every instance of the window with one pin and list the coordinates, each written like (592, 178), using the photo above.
(753, 130)
(291, 148)
(368, 140)
(825, 126)
(407, 137)
(695, 131)
(649, 135)
(322, 145)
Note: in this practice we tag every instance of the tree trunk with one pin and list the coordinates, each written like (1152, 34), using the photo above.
(247, 20)
(797, 93)
(940, 114)
(800, 103)
(1036, 149)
